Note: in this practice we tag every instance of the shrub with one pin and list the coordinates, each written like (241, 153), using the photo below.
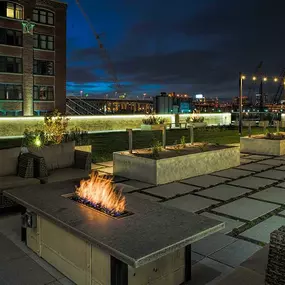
(195, 119)
(152, 120)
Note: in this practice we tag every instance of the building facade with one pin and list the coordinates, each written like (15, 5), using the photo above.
(32, 57)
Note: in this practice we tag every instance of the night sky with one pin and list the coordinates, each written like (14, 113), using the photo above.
(191, 46)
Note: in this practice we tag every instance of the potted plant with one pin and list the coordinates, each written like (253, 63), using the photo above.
(196, 121)
(152, 123)
(81, 139)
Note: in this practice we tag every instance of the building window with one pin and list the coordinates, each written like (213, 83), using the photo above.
(10, 64)
(44, 93)
(11, 92)
(43, 16)
(43, 42)
(10, 37)
(11, 10)
(43, 67)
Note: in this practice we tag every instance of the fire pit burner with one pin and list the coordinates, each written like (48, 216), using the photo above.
(97, 207)
(100, 193)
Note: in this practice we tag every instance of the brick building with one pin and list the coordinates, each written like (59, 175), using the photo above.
(32, 57)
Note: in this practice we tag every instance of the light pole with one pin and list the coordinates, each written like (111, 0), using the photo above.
(241, 78)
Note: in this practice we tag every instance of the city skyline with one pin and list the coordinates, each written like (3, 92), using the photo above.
(188, 47)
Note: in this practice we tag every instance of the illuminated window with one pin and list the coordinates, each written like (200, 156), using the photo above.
(12, 10)
(43, 16)
(11, 92)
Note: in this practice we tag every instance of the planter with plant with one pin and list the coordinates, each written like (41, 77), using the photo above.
(177, 162)
(267, 143)
(152, 123)
(196, 121)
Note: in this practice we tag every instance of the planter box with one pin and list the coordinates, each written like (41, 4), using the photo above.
(171, 169)
(198, 125)
(86, 148)
(262, 146)
(152, 127)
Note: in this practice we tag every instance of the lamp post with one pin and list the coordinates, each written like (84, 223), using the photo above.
(241, 78)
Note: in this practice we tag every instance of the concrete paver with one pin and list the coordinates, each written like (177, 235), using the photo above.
(253, 182)
(205, 180)
(261, 232)
(224, 192)
(257, 167)
(247, 209)
(272, 174)
(171, 190)
(272, 194)
(235, 253)
(190, 203)
(212, 244)
(232, 173)
(230, 224)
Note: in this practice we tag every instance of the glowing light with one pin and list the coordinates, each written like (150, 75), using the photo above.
(253, 78)
(37, 142)
(100, 193)
(264, 78)
(243, 77)
(275, 79)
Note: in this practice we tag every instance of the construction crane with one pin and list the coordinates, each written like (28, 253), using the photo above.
(280, 89)
(103, 51)
(252, 88)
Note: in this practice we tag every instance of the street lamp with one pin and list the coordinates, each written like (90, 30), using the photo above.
(241, 78)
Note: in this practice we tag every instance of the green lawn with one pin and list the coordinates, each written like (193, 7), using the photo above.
(104, 144)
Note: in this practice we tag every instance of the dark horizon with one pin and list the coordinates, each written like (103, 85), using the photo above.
(187, 47)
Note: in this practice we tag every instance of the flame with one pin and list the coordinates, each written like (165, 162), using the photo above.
(100, 193)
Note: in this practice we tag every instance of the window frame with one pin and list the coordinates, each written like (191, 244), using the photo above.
(38, 12)
(36, 65)
(16, 6)
(15, 37)
(38, 39)
(49, 88)
(15, 87)
(17, 64)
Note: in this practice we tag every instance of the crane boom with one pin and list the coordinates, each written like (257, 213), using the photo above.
(105, 56)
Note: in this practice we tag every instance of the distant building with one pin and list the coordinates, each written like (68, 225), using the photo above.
(33, 51)
(95, 106)
(172, 103)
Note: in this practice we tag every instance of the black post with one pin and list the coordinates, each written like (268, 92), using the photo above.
(188, 263)
(240, 104)
(119, 272)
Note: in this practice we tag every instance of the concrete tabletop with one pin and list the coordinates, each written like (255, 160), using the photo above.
(151, 232)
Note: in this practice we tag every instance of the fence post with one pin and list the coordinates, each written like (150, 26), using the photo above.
(130, 131)
(164, 136)
(277, 126)
(249, 130)
(191, 134)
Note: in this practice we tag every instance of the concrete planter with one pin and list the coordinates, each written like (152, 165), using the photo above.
(86, 148)
(152, 127)
(198, 125)
(175, 168)
(262, 146)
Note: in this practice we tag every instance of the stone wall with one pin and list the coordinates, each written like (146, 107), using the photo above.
(15, 126)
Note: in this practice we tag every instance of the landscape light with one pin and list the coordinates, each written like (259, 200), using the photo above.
(253, 78)
(275, 79)
(242, 77)
(265, 79)
(37, 142)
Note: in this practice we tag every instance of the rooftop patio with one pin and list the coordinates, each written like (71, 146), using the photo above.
(250, 199)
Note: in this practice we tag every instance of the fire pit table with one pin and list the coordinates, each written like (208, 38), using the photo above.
(148, 244)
